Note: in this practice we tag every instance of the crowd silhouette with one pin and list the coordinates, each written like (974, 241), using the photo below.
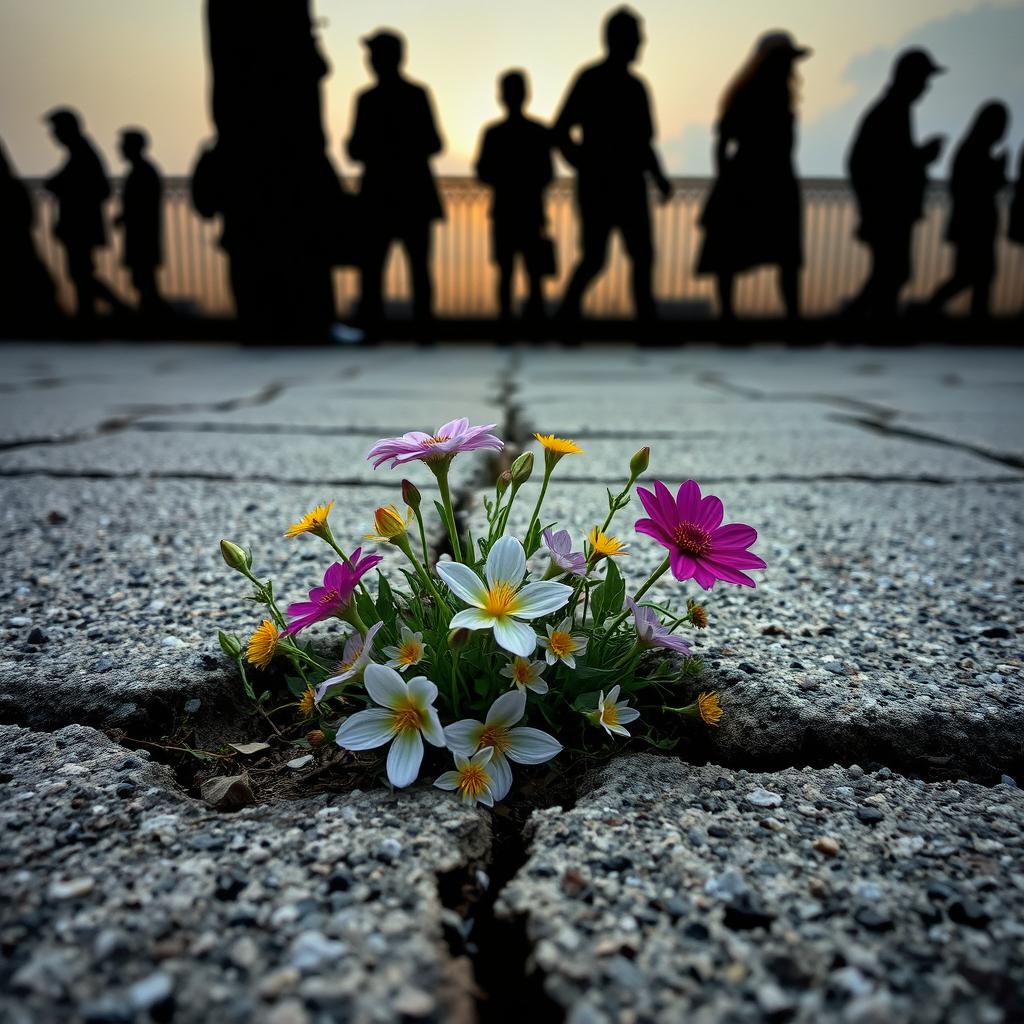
(287, 219)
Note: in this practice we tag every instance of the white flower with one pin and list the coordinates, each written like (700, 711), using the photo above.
(562, 645)
(611, 716)
(502, 603)
(472, 778)
(406, 713)
(410, 650)
(354, 660)
(524, 745)
(525, 673)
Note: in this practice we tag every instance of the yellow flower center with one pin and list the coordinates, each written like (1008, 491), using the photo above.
(500, 599)
(473, 779)
(437, 439)
(409, 652)
(407, 717)
(521, 671)
(561, 643)
(692, 539)
(494, 736)
(610, 715)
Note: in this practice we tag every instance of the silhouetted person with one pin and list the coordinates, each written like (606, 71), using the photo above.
(753, 214)
(26, 288)
(268, 174)
(978, 175)
(140, 219)
(888, 172)
(605, 130)
(394, 135)
(1015, 227)
(81, 188)
(515, 160)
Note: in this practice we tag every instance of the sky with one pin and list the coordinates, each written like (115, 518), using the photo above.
(142, 62)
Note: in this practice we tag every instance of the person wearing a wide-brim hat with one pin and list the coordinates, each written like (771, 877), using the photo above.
(888, 173)
(394, 136)
(752, 216)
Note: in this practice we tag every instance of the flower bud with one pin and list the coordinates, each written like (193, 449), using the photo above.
(315, 738)
(522, 468)
(458, 638)
(410, 495)
(639, 463)
(503, 481)
(235, 557)
(388, 522)
(230, 645)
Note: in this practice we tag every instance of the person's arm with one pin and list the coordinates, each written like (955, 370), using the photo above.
(433, 143)
(485, 163)
(356, 147)
(568, 118)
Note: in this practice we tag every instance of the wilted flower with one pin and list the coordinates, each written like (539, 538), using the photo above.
(471, 779)
(406, 715)
(612, 716)
(314, 522)
(698, 614)
(524, 745)
(410, 650)
(444, 444)
(709, 708)
(501, 603)
(699, 547)
(307, 702)
(389, 524)
(332, 599)
(525, 674)
(651, 633)
(262, 645)
(354, 659)
(559, 547)
(562, 644)
(604, 546)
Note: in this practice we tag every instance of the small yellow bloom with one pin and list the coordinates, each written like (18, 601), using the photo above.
(698, 614)
(389, 524)
(559, 445)
(307, 703)
(604, 546)
(709, 708)
(262, 645)
(314, 522)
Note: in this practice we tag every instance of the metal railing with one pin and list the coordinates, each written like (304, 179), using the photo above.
(195, 275)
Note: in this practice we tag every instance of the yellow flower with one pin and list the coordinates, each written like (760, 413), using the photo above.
(307, 703)
(388, 523)
(604, 546)
(709, 708)
(698, 614)
(262, 645)
(314, 522)
(559, 445)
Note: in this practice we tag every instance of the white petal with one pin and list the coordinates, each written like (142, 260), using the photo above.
(501, 776)
(449, 780)
(462, 582)
(390, 652)
(618, 730)
(551, 657)
(486, 798)
(404, 759)
(628, 715)
(471, 618)
(331, 686)
(385, 686)
(581, 643)
(516, 637)
(613, 694)
(531, 746)
(463, 736)
(366, 730)
(508, 709)
(431, 729)
(542, 598)
(568, 661)
(506, 562)
(483, 757)
(423, 691)
(538, 686)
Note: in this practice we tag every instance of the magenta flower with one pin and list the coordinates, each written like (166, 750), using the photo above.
(699, 547)
(651, 633)
(332, 599)
(559, 547)
(450, 439)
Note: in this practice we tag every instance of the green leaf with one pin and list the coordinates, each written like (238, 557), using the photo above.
(586, 701)
(614, 589)
(296, 685)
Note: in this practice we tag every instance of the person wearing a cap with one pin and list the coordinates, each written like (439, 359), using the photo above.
(753, 213)
(81, 188)
(889, 172)
(394, 135)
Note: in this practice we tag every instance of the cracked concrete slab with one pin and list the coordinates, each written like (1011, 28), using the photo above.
(672, 892)
(125, 900)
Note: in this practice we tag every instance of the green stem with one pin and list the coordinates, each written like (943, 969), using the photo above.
(402, 543)
(648, 583)
(423, 536)
(441, 472)
(455, 683)
(540, 501)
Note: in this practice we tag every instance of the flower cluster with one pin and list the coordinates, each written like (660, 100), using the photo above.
(516, 647)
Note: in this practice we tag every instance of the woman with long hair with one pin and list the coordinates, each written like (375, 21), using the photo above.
(752, 215)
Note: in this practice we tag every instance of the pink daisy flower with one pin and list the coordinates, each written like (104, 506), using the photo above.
(333, 597)
(699, 547)
(449, 439)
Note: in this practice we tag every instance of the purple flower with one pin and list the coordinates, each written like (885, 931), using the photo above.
(449, 439)
(333, 598)
(699, 547)
(559, 547)
(651, 633)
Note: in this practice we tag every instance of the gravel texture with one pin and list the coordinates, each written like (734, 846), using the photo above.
(671, 892)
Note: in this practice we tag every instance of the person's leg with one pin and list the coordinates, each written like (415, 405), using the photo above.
(506, 274)
(371, 288)
(724, 282)
(596, 228)
(789, 285)
(949, 289)
(636, 234)
(81, 272)
(418, 250)
(981, 292)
